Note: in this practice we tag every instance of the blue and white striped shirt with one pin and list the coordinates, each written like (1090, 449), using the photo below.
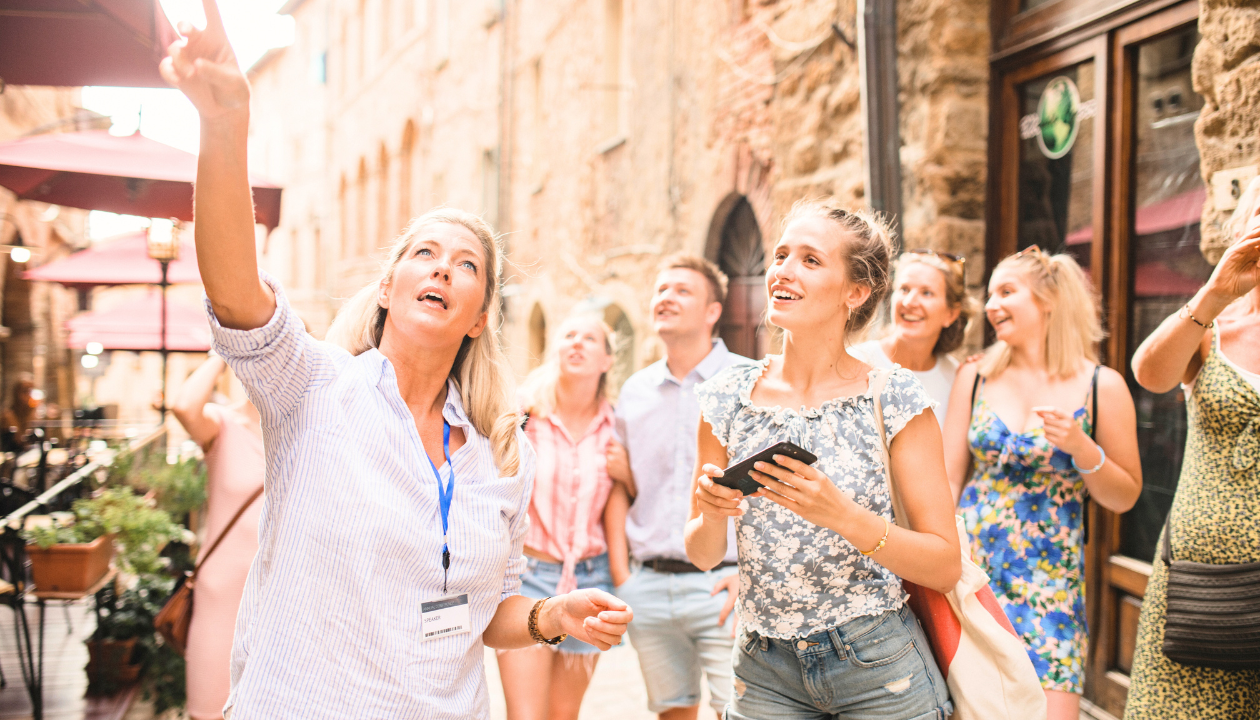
(351, 535)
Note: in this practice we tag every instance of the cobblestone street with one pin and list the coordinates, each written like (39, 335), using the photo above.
(616, 691)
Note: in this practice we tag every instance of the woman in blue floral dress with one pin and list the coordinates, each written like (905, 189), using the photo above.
(1022, 420)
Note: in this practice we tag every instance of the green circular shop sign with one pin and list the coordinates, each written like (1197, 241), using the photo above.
(1058, 117)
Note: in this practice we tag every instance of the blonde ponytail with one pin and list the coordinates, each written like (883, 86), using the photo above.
(1073, 325)
(481, 371)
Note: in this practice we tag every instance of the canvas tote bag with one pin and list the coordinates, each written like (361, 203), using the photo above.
(985, 665)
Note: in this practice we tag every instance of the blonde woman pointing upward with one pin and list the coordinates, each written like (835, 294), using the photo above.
(398, 481)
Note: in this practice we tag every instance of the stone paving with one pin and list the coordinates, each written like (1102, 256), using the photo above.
(616, 691)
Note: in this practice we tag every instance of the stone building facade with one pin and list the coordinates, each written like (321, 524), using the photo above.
(601, 135)
(32, 315)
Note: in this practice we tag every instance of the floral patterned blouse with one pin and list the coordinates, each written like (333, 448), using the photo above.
(797, 578)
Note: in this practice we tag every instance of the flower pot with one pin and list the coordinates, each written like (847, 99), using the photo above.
(109, 664)
(72, 567)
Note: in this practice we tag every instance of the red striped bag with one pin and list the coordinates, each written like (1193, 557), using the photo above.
(985, 665)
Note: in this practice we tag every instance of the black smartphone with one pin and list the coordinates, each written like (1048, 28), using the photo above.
(736, 476)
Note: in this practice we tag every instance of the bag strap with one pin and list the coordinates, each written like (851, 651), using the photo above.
(226, 530)
(974, 385)
(1093, 396)
(1093, 428)
(1166, 551)
(878, 381)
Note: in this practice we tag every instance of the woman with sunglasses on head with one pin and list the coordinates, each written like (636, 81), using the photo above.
(1211, 348)
(569, 421)
(1034, 427)
(398, 479)
(825, 630)
(930, 316)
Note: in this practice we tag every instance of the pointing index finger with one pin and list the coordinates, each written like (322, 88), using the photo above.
(213, 18)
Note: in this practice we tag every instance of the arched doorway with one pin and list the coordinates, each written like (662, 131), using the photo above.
(736, 248)
(623, 366)
(537, 336)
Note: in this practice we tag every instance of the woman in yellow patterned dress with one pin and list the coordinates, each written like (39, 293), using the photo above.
(1212, 345)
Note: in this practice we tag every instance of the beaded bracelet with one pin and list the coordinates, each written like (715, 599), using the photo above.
(882, 540)
(1187, 315)
(533, 627)
(1102, 459)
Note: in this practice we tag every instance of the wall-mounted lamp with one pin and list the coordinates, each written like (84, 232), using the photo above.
(18, 252)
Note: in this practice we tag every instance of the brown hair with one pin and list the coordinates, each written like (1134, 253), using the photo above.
(956, 298)
(715, 278)
(868, 252)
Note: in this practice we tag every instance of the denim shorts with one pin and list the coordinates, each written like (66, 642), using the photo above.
(677, 636)
(540, 579)
(879, 666)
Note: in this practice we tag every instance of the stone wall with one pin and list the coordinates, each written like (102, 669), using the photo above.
(1227, 75)
(944, 68)
(623, 130)
(33, 314)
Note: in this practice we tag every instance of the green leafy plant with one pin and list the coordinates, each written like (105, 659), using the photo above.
(46, 536)
(129, 615)
(179, 488)
(141, 530)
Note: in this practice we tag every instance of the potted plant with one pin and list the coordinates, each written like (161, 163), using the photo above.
(68, 557)
(124, 639)
(74, 554)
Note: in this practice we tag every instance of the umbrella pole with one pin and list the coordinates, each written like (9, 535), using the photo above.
(165, 267)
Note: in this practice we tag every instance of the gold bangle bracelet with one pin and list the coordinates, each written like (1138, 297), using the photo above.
(882, 540)
(1187, 315)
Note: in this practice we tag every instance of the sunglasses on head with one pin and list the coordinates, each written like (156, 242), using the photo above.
(958, 260)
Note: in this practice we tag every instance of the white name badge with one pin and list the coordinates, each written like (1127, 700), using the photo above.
(447, 616)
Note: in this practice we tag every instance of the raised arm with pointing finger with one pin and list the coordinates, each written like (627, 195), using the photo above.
(203, 67)
(398, 480)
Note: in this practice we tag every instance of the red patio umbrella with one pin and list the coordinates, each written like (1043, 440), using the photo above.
(83, 42)
(137, 325)
(130, 174)
(122, 260)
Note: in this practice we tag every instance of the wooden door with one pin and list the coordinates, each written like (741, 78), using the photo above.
(1156, 198)
(742, 257)
(1119, 188)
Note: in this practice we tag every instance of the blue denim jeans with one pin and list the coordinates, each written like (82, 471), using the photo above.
(541, 577)
(876, 667)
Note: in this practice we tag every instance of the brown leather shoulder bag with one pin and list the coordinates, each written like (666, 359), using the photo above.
(176, 615)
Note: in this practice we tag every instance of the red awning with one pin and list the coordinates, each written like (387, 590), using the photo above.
(1176, 212)
(83, 42)
(130, 174)
(123, 260)
(137, 325)
(1156, 279)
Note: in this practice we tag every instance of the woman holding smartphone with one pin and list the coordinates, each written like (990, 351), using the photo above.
(824, 621)
(1023, 447)
(398, 480)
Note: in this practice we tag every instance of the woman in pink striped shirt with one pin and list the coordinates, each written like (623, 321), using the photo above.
(570, 422)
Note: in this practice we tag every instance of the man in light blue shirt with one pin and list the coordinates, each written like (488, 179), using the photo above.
(682, 628)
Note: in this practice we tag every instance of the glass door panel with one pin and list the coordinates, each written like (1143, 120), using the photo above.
(1056, 162)
(1167, 194)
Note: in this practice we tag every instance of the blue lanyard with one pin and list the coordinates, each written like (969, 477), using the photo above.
(445, 493)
